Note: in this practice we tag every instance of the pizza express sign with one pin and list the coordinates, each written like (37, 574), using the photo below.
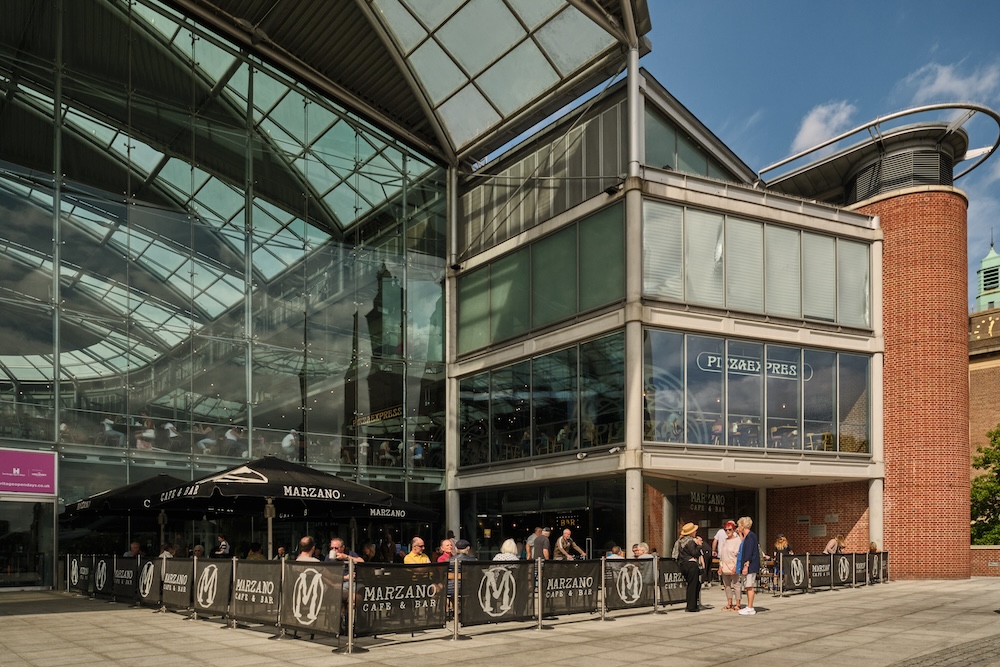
(737, 365)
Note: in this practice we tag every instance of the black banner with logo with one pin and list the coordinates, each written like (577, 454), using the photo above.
(673, 587)
(878, 567)
(843, 569)
(860, 568)
(103, 576)
(820, 570)
(884, 570)
(256, 591)
(496, 591)
(570, 586)
(126, 579)
(312, 597)
(629, 583)
(150, 579)
(80, 567)
(795, 573)
(178, 580)
(399, 598)
(213, 581)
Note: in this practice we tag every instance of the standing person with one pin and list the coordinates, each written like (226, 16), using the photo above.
(782, 551)
(748, 561)
(564, 544)
(728, 551)
(835, 545)
(688, 555)
(542, 548)
(529, 544)
(416, 556)
(721, 536)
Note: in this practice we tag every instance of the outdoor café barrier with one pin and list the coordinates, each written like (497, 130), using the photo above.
(807, 572)
(373, 598)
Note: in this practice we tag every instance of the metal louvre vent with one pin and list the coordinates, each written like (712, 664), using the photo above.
(901, 170)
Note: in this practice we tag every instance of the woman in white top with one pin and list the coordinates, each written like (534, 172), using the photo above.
(508, 551)
(728, 550)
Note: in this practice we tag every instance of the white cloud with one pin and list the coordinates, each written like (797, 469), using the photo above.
(935, 82)
(823, 122)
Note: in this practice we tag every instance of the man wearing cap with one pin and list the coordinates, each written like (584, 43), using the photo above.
(542, 548)
(529, 544)
(748, 562)
(462, 547)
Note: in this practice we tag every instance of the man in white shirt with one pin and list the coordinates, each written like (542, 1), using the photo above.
(307, 551)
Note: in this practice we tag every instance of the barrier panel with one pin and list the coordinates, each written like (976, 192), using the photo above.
(150, 581)
(80, 568)
(570, 586)
(496, 591)
(878, 567)
(860, 570)
(126, 579)
(842, 569)
(629, 584)
(256, 592)
(673, 587)
(178, 576)
(103, 581)
(312, 597)
(399, 598)
(820, 570)
(796, 568)
(213, 585)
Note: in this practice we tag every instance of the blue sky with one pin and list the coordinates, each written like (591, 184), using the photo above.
(771, 78)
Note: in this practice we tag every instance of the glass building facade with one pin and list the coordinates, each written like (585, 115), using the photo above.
(206, 262)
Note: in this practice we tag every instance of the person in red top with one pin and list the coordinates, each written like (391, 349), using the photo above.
(447, 549)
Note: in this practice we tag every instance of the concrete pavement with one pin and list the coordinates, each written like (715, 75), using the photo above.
(918, 623)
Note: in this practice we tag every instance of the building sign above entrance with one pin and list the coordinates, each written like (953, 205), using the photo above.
(27, 472)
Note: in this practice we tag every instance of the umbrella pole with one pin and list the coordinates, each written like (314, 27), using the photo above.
(269, 514)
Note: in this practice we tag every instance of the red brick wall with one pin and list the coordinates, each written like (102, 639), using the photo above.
(981, 559)
(848, 501)
(984, 412)
(926, 371)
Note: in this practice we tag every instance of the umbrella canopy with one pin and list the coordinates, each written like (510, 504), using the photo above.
(293, 489)
(132, 498)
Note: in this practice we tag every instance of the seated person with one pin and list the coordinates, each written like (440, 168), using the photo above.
(290, 445)
(112, 437)
(233, 446)
(207, 438)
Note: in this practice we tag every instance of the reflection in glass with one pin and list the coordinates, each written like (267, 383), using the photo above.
(705, 408)
(819, 398)
(663, 387)
(554, 395)
(744, 386)
(784, 375)
(854, 403)
(510, 406)
(474, 420)
(602, 391)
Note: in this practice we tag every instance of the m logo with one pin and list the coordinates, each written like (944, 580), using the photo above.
(241, 475)
(497, 591)
(307, 596)
(208, 584)
(798, 573)
(876, 572)
(628, 581)
(74, 572)
(146, 579)
(843, 569)
(101, 575)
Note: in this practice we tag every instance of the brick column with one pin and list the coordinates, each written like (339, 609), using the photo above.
(925, 381)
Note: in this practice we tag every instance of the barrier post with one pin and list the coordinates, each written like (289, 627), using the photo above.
(656, 583)
(351, 590)
(809, 581)
(456, 578)
(282, 635)
(230, 619)
(781, 575)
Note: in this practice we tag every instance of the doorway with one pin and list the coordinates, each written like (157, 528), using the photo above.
(27, 543)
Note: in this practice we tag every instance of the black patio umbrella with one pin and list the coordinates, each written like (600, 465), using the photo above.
(128, 500)
(274, 487)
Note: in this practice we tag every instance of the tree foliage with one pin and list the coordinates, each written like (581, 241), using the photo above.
(986, 492)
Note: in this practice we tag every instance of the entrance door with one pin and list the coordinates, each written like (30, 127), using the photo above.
(27, 542)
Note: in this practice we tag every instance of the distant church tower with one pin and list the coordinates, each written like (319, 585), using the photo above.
(988, 297)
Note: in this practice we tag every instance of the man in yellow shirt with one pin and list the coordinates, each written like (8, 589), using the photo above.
(416, 555)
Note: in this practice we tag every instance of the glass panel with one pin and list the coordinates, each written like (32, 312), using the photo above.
(432, 12)
(853, 283)
(602, 391)
(602, 244)
(705, 363)
(510, 403)
(819, 387)
(745, 391)
(782, 276)
(744, 265)
(438, 73)
(407, 30)
(853, 403)
(704, 250)
(819, 279)
(783, 391)
(571, 39)
(663, 391)
(554, 401)
(479, 34)
(533, 12)
(690, 158)
(467, 114)
(474, 419)
(517, 78)
(661, 139)
(509, 296)
(474, 310)
(26, 550)
(553, 277)
(662, 251)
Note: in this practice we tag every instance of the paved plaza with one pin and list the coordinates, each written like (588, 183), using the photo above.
(921, 623)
